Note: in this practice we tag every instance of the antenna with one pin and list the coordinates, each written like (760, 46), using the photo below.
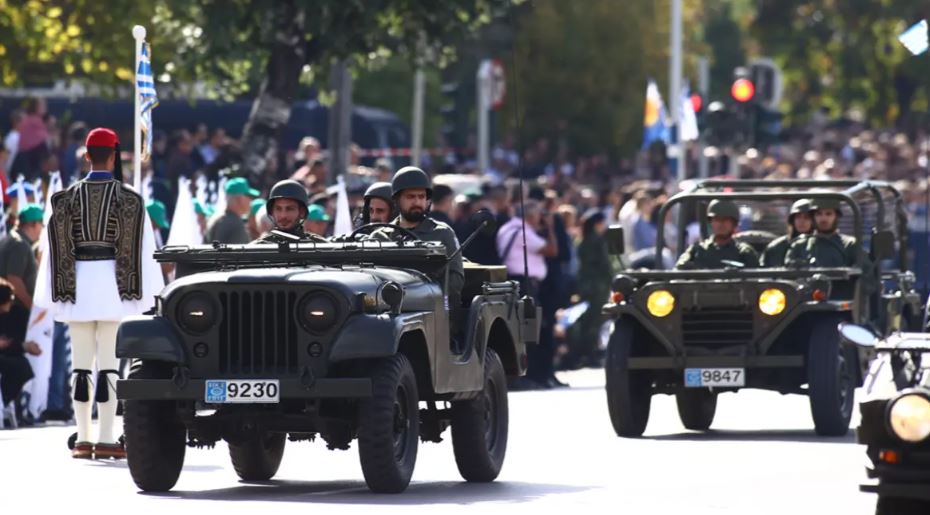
(519, 128)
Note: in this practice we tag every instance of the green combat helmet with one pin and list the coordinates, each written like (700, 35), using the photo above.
(800, 206)
(288, 189)
(723, 208)
(826, 203)
(411, 177)
(382, 190)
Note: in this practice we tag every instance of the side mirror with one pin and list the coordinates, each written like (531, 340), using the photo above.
(484, 220)
(882, 245)
(615, 246)
(857, 335)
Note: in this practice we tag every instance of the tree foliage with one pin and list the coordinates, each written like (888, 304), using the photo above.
(840, 54)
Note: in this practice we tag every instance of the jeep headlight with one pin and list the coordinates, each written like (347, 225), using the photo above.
(197, 312)
(317, 312)
(909, 417)
(660, 303)
(772, 301)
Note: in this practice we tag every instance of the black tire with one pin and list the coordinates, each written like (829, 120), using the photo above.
(898, 506)
(831, 379)
(389, 422)
(155, 436)
(479, 426)
(258, 459)
(696, 408)
(629, 392)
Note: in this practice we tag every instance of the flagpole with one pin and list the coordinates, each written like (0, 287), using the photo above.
(138, 32)
(675, 87)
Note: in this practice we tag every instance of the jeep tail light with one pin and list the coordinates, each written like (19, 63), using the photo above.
(889, 456)
(819, 295)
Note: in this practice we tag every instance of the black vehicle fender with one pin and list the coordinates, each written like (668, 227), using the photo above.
(496, 324)
(376, 336)
(150, 338)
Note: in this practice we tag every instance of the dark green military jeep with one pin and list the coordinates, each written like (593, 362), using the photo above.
(258, 344)
(697, 333)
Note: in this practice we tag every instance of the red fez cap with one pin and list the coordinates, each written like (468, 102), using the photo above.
(101, 137)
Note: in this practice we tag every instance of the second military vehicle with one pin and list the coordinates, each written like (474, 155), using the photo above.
(699, 332)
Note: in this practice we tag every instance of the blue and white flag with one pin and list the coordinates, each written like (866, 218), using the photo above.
(915, 38)
(688, 126)
(655, 124)
(147, 98)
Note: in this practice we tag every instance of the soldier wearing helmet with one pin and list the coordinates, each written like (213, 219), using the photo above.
(712, 252)
(287, 208)
(826, 247)
(412, 190)
(379, 204)
(800, 222)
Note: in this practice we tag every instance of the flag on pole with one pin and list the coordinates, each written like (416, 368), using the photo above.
(2, 218)
(655, 124)
(915, 38)
(688, 131)
(41, 326)
(184, 227)
(343, 222)
(147, 99)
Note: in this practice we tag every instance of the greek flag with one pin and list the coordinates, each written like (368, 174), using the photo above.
(147, 98)
(915, 38)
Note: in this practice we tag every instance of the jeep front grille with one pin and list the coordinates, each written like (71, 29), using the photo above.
(258, 334)
(716, 328)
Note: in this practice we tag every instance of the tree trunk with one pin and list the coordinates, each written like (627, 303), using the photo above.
(272, 107)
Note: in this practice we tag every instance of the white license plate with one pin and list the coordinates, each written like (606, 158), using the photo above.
(705, 377)
(222, 391)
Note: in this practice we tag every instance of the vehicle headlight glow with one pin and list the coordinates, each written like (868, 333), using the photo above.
(317, 312)
(197, 312)
(772, 301)
(660, 303)
(909, 417)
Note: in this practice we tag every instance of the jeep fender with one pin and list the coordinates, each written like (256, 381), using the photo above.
(149, 337)
(376, 336)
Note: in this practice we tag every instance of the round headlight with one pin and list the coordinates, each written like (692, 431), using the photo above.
(197, 312)
(772, 301)
(317, 312)
(909, 417)
(660, 303)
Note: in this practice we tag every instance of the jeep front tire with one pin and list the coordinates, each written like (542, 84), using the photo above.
(389, 426)
(155, 436)
(629, 392)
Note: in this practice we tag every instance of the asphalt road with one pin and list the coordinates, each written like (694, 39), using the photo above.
(761, 457)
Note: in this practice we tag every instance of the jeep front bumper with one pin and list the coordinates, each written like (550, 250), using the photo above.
(194, 389)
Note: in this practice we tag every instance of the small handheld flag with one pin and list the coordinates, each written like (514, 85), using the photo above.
(915, 38)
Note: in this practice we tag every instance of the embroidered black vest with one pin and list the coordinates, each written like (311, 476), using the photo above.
(96, 220)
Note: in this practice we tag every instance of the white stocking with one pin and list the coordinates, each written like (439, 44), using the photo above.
(106, 360)
(83, 347)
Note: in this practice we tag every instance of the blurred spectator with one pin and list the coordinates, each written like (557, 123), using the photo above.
(442, 209)
(15, 370)
(33, 141)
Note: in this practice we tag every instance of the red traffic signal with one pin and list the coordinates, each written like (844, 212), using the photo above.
(696, 102)
(742, 90)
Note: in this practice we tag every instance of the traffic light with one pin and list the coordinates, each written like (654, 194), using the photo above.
(743, 91)
(450, 113)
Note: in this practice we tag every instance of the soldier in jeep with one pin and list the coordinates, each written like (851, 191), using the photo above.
(825, 247)
(800, 222)
(287, 208)
(720, 248)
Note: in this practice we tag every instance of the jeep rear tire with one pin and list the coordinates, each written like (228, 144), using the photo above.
(155, 436)
(479, 426)
(258, 459)
(696, 408)
(629, 392)
(830, 379)
(389, 424)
